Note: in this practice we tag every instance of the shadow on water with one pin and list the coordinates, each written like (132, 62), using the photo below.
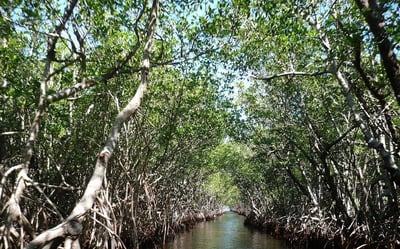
(226, 232)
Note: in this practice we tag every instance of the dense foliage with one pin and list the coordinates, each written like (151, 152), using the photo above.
(321, 117)
(121, 120)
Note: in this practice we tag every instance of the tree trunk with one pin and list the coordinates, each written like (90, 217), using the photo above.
(376, 22)
(72, 227)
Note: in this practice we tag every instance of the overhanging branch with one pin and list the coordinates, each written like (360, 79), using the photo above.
(292, 73)
(71, 227)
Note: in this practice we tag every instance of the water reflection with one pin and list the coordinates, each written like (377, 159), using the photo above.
(227, 232)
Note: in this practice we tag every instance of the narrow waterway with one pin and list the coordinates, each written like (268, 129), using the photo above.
(226, 232)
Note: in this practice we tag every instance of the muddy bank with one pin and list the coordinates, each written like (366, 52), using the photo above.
(241, 211)
(167, 233)
(311, 237)
(295, 238)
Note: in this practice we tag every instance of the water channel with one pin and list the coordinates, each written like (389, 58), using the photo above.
(226, 232)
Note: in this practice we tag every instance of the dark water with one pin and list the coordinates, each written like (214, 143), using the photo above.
(226, 232)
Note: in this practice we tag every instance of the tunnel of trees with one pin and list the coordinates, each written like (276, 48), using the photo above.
(121, 121)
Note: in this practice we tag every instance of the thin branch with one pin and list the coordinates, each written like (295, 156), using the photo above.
(112, 72)
(55, 209)
(61, 69)
(8, 133)
(285, 74)
(66, 187)
(341, 137)
(182, 59)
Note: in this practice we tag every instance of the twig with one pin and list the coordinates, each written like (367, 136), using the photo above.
(293, 73)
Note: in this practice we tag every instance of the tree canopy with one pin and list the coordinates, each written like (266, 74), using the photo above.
(120, 120)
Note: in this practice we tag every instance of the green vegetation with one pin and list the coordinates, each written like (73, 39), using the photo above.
(121, 120)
